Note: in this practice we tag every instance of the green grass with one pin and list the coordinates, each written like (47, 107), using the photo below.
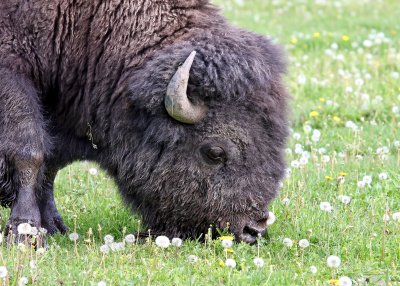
(323, 64)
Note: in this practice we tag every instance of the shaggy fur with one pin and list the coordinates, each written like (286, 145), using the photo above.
(86, 80)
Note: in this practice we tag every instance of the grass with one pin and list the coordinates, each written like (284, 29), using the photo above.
(344, 64)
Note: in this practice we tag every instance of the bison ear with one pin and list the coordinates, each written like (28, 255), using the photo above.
(176, 100)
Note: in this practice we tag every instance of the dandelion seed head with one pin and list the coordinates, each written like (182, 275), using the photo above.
(345, 199)
(23, 281)
(333, 261)
(227, 243)
(73, 236)
(313, 269)
(93, 171)
(230, 263)
(176, 241)
(130, 238)
(105, 249)
(326, 207)
(108, 239)
(162, 241)
(304, 243)
(396, 216)
(287, 242)
(3, 272)
(383, 176)
(286, 201)
(192, 258)
(271, 218)
(345, 281)
(258, 262)
(24, 229)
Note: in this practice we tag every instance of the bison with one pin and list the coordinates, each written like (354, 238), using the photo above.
(186, 112)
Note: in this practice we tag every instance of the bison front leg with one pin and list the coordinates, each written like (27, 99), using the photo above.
(51, 219)
(22, 148)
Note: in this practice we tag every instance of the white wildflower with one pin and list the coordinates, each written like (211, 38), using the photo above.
(287, 242)
(105, 249)
(258, 262)
(367, 180)
(192, 258)
(333, 261)
(304, 243)
(23, 281)
(73, 236)
(130, 238)
(396, 216)
(230, 263)
(313, 269)
(177, 242)
(3, 272)
(24, 228)
(345, 281)
(345, 199)
(286, 201)
(108, 239)
(162, 241)
(386, 217)
(383, 176)
(93, 171)
(227, 243)
(326, 206)
(271, 218)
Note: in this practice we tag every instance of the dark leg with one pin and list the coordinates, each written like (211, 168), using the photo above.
(51, 219)
(23, 147)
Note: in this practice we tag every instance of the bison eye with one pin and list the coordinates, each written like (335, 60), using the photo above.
(214, 154)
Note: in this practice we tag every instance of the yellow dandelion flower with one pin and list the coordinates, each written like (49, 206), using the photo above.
(229, 250)
(343, 174)
(321, 99)
(333, 282)
(226, 237)
(345, 38)
(221, 263)
(336, 119)
(328, 178)
(314, 113)
(293, 40)
(316, 34)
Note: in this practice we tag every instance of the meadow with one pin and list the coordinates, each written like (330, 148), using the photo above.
(341, 197)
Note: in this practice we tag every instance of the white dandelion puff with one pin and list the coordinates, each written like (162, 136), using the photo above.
(226, 243)
(93, 171)
(271, 218)
(177, 242)
(304, 243)
(326, 207)
(192, 258)
(313, 269)
(162, 241)
(345, 281)
(3, 272)
(24, 228)
(73, 236)
(287, 242)
(333, 261)
(105, 249)
(108, 239)
(258, 262)
(230, 263)
(130, 238)
(23, 281)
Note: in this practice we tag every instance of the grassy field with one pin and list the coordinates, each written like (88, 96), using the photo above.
(344, 152)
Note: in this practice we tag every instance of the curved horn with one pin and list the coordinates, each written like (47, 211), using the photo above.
(176, 100)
